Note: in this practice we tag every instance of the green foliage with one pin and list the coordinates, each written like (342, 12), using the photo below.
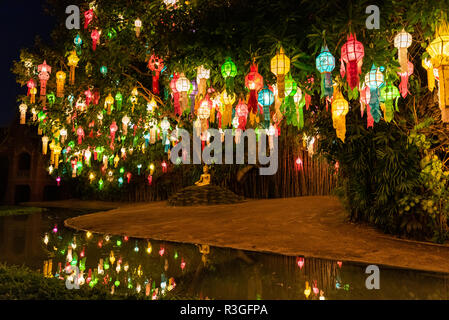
(16, 210)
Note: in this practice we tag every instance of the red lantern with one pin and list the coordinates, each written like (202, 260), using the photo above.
(88, 17)
(80, 133)
(156, 65)
(95, 35)
(44, 74)
(30, 84)
(352, 53)
(88, 95)
(254, 82)
(298, 164)
(300, 262)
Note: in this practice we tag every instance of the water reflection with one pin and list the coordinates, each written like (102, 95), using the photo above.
(154, 269)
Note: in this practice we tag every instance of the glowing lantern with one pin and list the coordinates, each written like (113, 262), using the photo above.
(388, 94)
(156, 65)
(229, 71)
(108, 103)
(298, 164)
(340, 108)
(138, 25)
(325, 63)
(125, 122)
(133, 98)
(45, 140)
(80, 133)
(56, 153)
(152, 105)
(63, 134)
(427, 64)
(228, 100)
(242, 113)
(298, 100)
(104, 70)
(374, 80)
(165, 126)
(403, 86)
(113, 129)
(402, 41)
(183, 264)
(352, 53)
(183, 86)
(78, 42)
(60, 80)
(89, 96)
(44, 74)
(72, 63)
(266, 99)
(307, 290)
(119, 100)
(100, 184)
(88, 17)
(254, 82)
(204, 112)
(280, 66)
(95, 35)
(202, 74)
(23, 110)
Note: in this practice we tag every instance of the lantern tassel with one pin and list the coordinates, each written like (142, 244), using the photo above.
(403, 86)
(375, 106)
(353, 74)
(156, 83)
(369, 117)
(252, 101)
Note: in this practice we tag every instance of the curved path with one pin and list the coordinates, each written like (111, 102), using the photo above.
(309, 226)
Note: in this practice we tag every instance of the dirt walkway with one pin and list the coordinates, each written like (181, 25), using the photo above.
(309, 226)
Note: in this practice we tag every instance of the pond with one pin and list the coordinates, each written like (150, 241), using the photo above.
(156, 268)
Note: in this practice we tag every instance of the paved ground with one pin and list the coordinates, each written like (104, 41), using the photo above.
(309, 226)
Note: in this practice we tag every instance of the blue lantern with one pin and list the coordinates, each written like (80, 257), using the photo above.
(266, 99)
(325, 63)
(375, 80)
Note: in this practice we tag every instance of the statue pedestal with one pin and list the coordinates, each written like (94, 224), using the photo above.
(204, 195)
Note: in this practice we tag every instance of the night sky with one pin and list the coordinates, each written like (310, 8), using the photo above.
(20, 22)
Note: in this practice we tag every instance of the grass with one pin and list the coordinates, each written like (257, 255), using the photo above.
(17, 210)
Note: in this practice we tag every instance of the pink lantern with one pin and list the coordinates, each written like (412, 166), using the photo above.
(88, 95)
(403, 86)
(176, 94)
(162, 251)
(242, 113)
(183, 264)
(352, 53)
(113, 129)
(300, 262)
(44, 74)
(365, 96)
(80, 133)
(156, 65)
(95, 35)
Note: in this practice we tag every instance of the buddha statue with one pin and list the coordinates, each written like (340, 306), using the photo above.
(205, 178)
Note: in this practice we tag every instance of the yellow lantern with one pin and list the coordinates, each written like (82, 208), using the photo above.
(125, 122)
(108, 103)
(33, 92)
(133, 99)
(138, 25)
(56, 152)
(23, 110)
(228, 100)
(152, 105)
(402, 41)
(340, 108)
(439, 52)
(60, 81)
(44, 144)
(280, 66)
(427, 64)
(73, 62)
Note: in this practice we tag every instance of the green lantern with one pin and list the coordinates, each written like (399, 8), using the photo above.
(289, 107)
(104, 70)
(119, 100)
(389, 94)
(229, 71)
(51, 98)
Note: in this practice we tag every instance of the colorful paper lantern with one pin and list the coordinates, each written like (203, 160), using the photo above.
(374, 80)
(280, 66)
(403, 86)
(438, 50)
(389, 94)
(266, 99)
(340, 108)
(95, 35)
(229, 71)
(138, 26)
(325, 63)
(23, 110)
(202, 74)
(352, 53)
(427, 64)
(156, 65)
(402, 41)
(183, 86)
(241, 111)
(299, 102)
(227, 100)
(60, 81)
(254, 82)
(44, 74)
